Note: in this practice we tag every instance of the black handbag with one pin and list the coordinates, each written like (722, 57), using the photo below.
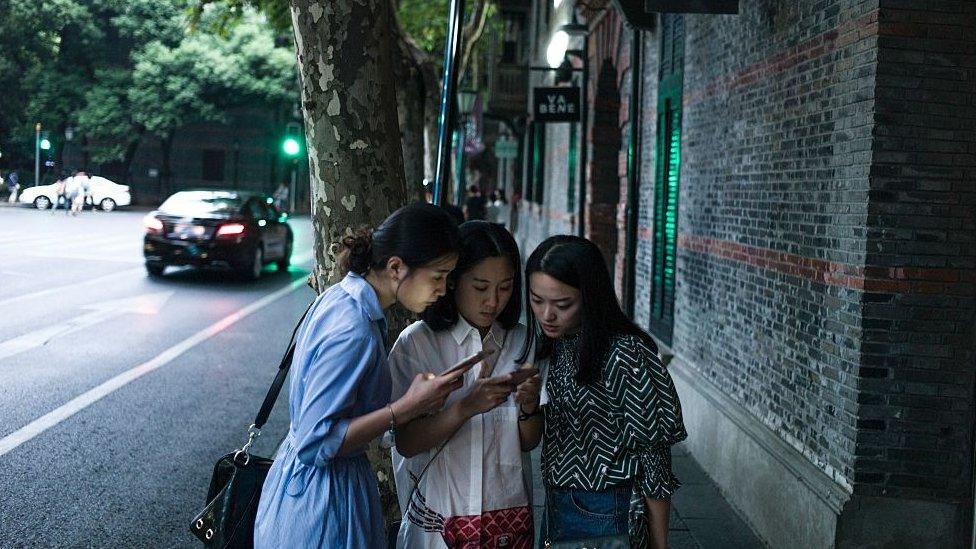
(227, 521)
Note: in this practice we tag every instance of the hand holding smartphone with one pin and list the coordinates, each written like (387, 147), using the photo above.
(523, 373)
(462, 367)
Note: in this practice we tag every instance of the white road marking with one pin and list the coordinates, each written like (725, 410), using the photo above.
(86, 399)
(146, 304)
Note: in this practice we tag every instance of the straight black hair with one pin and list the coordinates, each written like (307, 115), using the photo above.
(479, 240)
(416, 233)
(578, 262)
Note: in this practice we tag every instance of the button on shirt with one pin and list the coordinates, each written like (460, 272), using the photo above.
(480, 468)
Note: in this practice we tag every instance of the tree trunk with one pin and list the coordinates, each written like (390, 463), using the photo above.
(349, 103)
(166, 171)
(410, 106)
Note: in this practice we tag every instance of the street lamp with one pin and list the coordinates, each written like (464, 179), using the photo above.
(465, 103)
(556, 52)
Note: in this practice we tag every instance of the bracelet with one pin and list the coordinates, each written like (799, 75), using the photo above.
(388, 440)
(392, 419)
(525, 416)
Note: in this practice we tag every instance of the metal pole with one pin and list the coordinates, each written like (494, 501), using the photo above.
(293, 188)
(448, 90)
(584, 118)
(633, 171)
(37, 154)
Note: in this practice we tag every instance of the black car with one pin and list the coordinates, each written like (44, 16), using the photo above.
(241, 231)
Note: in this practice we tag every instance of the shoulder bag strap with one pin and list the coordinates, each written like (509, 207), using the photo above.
(279, 380)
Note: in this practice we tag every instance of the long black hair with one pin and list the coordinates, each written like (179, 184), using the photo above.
(417, 233)
(578, 262)
(479, 240)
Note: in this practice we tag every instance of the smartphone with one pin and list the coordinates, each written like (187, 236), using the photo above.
(466, 364)
(522, 374)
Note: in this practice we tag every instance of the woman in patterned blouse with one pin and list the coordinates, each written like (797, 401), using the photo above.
(610, 407)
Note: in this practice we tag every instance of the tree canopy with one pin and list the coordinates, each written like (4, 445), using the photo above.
(118, 69)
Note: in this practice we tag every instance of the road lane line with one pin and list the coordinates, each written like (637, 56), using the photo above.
(69, 287)
(86, 399)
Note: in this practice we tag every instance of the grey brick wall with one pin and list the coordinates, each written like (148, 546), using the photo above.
(826, 262)
(778, 113)
(917, 361)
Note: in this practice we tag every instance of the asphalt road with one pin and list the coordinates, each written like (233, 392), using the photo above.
(118, 392)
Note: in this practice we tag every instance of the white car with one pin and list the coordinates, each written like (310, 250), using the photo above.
(104, 193)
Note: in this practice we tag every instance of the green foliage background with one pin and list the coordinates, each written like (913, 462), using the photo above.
(116, 70)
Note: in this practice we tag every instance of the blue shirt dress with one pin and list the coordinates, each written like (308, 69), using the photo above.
(312, 497)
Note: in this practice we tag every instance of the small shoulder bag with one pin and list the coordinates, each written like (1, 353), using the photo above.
(227, 520)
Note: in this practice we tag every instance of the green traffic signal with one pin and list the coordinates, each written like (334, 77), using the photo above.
(45, 144)
(290, 146)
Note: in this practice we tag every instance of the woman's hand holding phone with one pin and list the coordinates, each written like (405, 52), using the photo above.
(428, 392)
(528, 393)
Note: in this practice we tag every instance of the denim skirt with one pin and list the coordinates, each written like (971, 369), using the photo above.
(579, 514)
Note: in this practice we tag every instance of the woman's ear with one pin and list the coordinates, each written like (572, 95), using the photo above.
(396, 268)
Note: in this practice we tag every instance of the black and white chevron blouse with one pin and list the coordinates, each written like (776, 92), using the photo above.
(614, 432)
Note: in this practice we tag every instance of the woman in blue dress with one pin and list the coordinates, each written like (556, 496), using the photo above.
(321, 491)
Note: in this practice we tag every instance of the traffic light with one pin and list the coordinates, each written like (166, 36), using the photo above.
(292, 144)
(45, 141)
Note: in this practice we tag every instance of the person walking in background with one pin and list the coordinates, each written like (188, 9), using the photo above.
(611, 410)
(475, 205)
(72, 187)
(320, 491)
(60, 198)
(497, 208)
(476, 441)
(13, 185)
(280, 197)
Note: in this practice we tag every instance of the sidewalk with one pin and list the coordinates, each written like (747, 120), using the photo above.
(700, 516)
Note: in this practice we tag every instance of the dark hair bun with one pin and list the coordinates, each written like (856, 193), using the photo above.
(356, 252)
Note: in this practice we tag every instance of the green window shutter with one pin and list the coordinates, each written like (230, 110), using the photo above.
(667, 177)
(539, 164)
(529, 183)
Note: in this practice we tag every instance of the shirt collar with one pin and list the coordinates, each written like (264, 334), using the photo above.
(462, 328)
(364, 294)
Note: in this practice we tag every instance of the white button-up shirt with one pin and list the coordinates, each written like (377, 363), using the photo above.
(480, 468)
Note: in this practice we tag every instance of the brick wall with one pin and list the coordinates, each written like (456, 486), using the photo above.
(826, 266)
(917, 354)
(778, 112)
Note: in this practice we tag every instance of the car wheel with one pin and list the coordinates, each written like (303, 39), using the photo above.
(155, 269)
(254, 268)
(285, 259)
(42, 202)
(107, 204)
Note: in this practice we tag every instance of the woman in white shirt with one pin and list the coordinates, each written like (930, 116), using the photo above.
(472, 489)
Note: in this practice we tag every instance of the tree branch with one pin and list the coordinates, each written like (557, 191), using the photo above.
(472, 32)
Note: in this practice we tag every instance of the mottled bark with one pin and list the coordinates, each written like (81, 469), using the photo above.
(349, 104)
(355, 158)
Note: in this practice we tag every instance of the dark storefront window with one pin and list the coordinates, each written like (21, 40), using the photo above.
(667, 176)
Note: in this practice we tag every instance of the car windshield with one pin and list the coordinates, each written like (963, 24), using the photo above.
(201, 203)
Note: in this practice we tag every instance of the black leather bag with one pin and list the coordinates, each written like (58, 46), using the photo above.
(227, 521)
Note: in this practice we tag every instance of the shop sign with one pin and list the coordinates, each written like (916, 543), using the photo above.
(556, 104)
